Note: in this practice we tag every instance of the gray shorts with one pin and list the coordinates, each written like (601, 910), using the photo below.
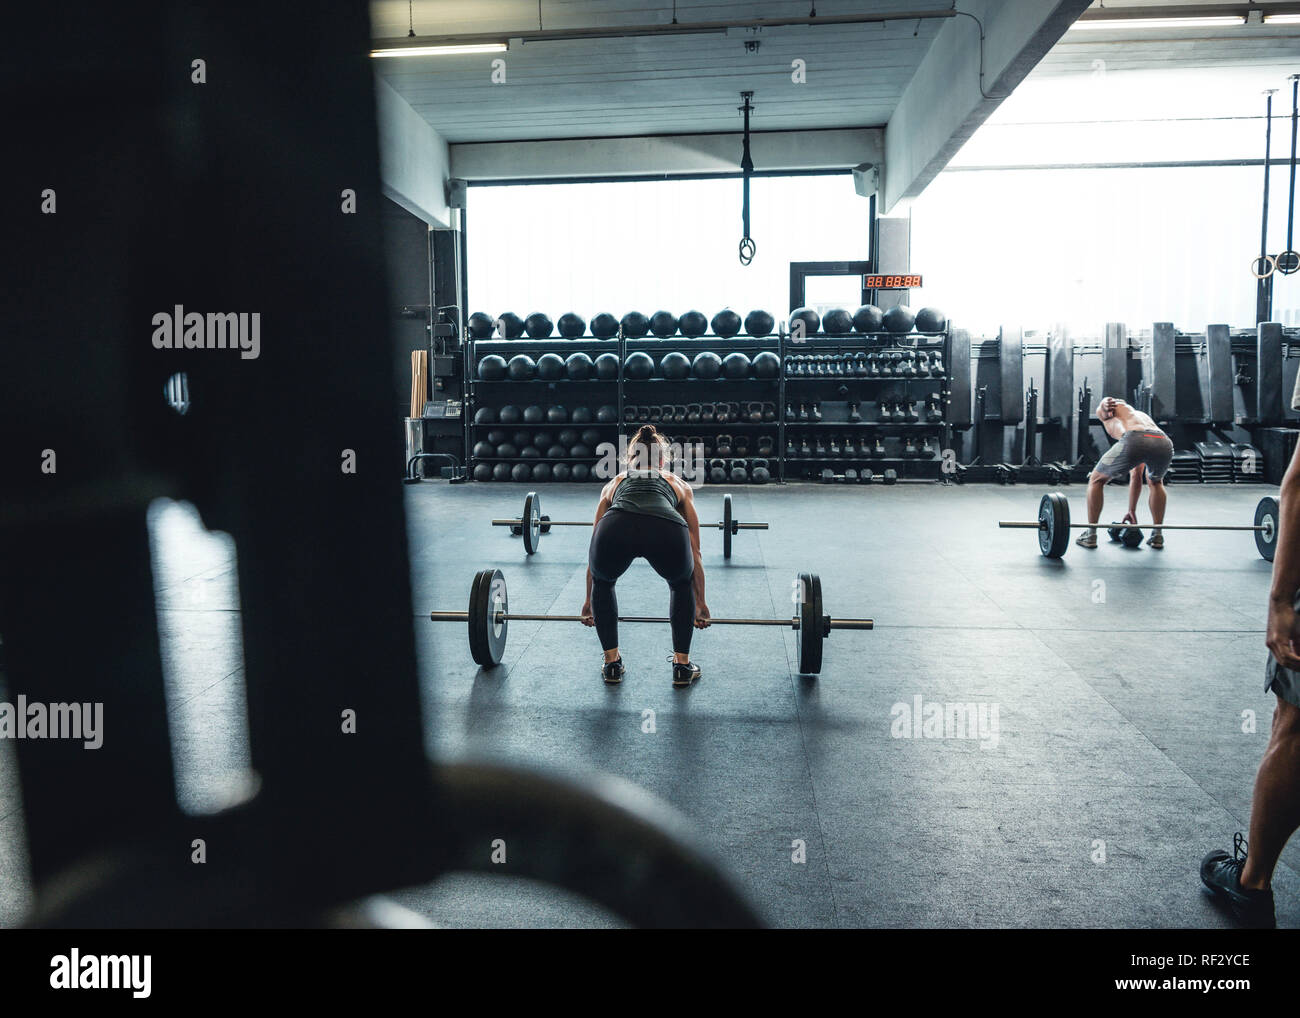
(1282, 681)
(1152, 448)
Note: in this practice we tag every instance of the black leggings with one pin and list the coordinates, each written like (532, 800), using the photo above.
(620, 537)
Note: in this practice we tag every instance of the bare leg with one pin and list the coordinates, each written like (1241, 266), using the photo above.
(1275, 812)
(1156, 497)
(1096, 495)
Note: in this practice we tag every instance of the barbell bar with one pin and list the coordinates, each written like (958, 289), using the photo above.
(489, 616)
(1054, 526)
(531, 524)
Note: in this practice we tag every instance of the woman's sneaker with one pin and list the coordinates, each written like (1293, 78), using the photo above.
(1221, 873)
(1086, 539)
(612, 672)
(685, 675)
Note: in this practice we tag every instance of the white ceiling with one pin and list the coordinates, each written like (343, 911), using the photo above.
(676, 84)
(686, 84)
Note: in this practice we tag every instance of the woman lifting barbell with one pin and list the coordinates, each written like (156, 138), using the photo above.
(647, 512)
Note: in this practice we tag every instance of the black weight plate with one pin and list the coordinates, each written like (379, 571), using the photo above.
(1266, 515)
(1131, 537)
(811, 624)
(726, 526)
(532, 521)
(1054, 525)
(487, 637)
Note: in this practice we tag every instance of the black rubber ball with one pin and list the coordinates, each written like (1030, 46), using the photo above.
(492, 368)
(726, 323)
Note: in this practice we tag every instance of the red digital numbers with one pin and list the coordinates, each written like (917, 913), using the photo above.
(883, 282)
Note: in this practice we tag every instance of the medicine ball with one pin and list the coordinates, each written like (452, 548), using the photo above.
(534, 414)
(759, 324)
(556, 452)
(675, 366)
(492, 368)
(580, 452)
(568, 436)
(868, 318)
(578, 367)
(557, 415)
(561, 472)
(521, 438)
(571, 326)
(530, 452)
(635, 325)
(581, 472)
(767, 365)
(505, 451)
(706, 365)
(550, 366)
(521, 472)
(735, 366)
(899, 319)
(482, 472)
(496, 436)
(501, 472)
(931, 320)
(484, 450)
(538, 326)
(606, 414)
(509, 414)
(693, 323)
(606, 366)
(811, 321)
(639, 366)
(521, 368)
(604, 326)
(591, 437)
(485, 415)
(663, 324)
(542, 440)
(480, 326)
(726, 323)
(541, 472)
(581, 415)
(837, 322)
(510, 325)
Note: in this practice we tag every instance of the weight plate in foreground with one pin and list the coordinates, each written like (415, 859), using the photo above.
(1266, 516)
(1054, 525)
(532, 522)
(487, 636)
(726, 526)
(811, 624)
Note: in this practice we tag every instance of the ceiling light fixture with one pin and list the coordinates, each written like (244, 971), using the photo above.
(1119, 24)
(441, 51)
(1282, 19)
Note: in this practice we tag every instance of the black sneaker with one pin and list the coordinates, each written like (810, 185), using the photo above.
(685, 675)
(612, 672)
(1221, 873)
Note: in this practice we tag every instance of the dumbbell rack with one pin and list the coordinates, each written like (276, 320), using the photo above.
(869, 392)
(782, 390)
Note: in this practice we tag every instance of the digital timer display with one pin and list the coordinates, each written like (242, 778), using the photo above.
(890, 282)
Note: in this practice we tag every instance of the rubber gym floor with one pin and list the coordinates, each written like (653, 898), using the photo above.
(1122, 680)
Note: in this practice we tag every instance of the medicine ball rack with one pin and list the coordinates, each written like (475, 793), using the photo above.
(832, 393)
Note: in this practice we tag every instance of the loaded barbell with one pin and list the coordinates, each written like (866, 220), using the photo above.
(532, 524)
(1054, 526)
(489, 616)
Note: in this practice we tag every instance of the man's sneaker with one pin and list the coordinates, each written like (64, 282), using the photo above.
(1086, 539)
(1221, 873)
(684, 675)
(1156, 540)
(612, 672)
